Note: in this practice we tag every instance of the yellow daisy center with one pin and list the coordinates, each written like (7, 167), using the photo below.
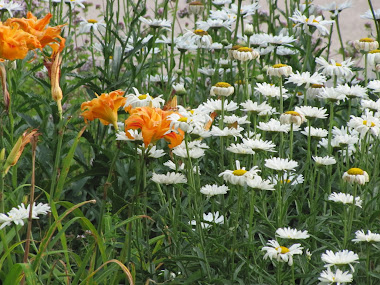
(245, 49)
(239, 172)
(365, 122)
(293, 113)
(285, 181)
(366, 40)
(338, 64)
(317, 85)
(196, 3)
(236, 47)
(200, 32)
(299, 93)
(183, 119)
(92, 21)
(279, 65)
(110, 57)
(143, 96)
(314, 20)
(191, 112)
(355, 171)
(283, 249)
(375, 51)
(223, 84)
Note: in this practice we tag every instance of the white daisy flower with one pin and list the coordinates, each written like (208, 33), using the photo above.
(212, 190)
(288, 178)
(245, 54)
(335, 68)
(245, 10)
(327, 277)
(209, 219)
(262, 109)
(222, 15)
(369, 237)
(260, 184)
(194, 152)
(366, 44)
(281, 253)
(11, 7)
(331, 94)
(345, 199)
(281, 164)
(340, 258)
(368, 15)
(280, 69)
(239, 149)
(74, 3)
(157, 23)
(153, 152)
(91, 25)
(312, 112)
(307, 79)
(351, 92)
(314, 91)
(19, 214)
(199, 37)
(356, 175)
(315, 132)
(292, 117)
(216, 105)
(371, 105)
(374, 85)
(233, 119)
(142, 100)
(335, 8)
(221, 2)
(226, 132)
(259, 144)
(326, 160)
(222, 89)
(169, 178)
(367, 123)
(289, 233)
(374, 57)
(274, 126)
(214, 24)
(240, 175)
(180, 166)
(270, 90)
(311, 21)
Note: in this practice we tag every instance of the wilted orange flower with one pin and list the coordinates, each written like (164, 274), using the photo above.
(15, 43)
(18, 148)
(46, 36)
(154, 126)
(104, 108)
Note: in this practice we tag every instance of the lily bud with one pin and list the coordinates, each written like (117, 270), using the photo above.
(18, 148)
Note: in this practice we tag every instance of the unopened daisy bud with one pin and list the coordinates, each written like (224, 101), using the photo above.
(196, 7)
(248, 30)
(179, 72)
(292, 117)
(260, 78)
(179, 89)
(356, 175)
(222, 89)
(245, 53)
(279, 70)
(225, 42)
(366, 44)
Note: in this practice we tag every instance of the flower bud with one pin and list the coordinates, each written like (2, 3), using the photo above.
(248, 30)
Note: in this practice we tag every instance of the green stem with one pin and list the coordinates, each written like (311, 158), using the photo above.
(340, 36)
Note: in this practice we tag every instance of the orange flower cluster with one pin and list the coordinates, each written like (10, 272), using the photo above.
(154, 126)
(18, 36)
(104, 108)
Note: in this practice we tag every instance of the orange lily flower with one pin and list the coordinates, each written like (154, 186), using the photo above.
(104, 108)
(154, 126)
(15, 43)
(46, 36)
